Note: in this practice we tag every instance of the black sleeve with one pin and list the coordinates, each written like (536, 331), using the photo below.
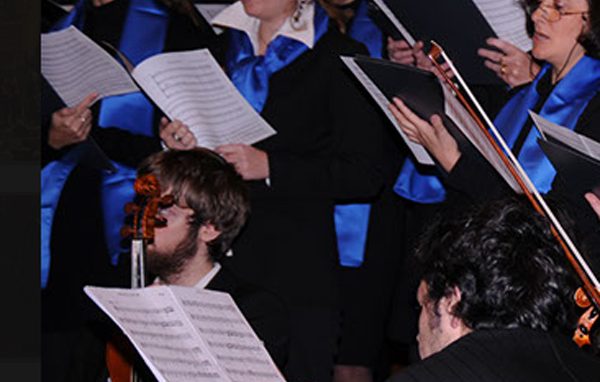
(474, 179)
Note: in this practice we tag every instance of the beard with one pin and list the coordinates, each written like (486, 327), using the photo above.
(167, 265)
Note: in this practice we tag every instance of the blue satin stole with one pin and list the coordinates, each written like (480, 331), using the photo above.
(352, 220)
(564, 106)
(143, 35)
(250, 74)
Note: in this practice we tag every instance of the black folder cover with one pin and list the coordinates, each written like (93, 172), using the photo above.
(581, 172)
(457, 25)
(420, 90)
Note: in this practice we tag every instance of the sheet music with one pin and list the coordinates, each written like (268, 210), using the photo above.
(75, 66)
(463, 120)
(165, 339)
(507, 18)
(394, 20)
(419, 152)
(566, 136)
(190, 86)
(209, 11)
(228, 335)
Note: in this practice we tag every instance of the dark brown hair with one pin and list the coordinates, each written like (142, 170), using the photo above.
(201, 180)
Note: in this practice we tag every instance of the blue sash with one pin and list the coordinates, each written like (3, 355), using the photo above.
(143, 35)
(250, 74)
(352, 220)
(564, 106)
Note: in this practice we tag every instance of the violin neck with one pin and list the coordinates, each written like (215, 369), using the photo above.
(138, 259)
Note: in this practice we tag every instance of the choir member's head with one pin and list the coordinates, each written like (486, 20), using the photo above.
(496, 268)
(210, 207)
(564, 29)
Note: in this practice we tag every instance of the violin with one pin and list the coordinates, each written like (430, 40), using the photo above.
(588, 295)
(119, 352)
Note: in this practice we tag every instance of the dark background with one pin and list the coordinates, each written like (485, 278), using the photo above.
(19, 190)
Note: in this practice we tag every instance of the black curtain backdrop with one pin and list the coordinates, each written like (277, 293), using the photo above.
(19, 190)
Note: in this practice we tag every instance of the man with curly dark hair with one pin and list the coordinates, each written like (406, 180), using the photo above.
(496, 301)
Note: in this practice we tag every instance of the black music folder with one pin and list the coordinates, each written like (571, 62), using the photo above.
(581, 172)
(420, 90)
(457, 25)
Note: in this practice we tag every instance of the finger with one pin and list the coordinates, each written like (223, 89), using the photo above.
(228, 149)
(403, 57)
(421, 126)
(438, 124)
(191, 143)
(66, 111)
(490, 54)
(397, 44)
(494, 67)
(182, 130)
(85, 131)
(594, 202)
(172, 127)
(188, 140)
(503, 45)
(407, 126)
(87, 101)
(163, 123)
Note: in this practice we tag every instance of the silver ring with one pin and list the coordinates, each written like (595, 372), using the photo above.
(176, 137)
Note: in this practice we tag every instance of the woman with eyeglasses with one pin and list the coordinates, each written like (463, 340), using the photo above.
(565, 91)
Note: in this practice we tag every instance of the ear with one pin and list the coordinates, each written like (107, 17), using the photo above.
(208, 233)
(450, 305)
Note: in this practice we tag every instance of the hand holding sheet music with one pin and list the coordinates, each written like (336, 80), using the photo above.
(461, 26)
(383, 100)
(191, 87)
(513, 65)
(75, 66)
(188, 86)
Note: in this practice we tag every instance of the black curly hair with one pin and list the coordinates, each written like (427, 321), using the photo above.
(510, 270)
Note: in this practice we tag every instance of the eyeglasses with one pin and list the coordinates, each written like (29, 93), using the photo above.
(552, 14)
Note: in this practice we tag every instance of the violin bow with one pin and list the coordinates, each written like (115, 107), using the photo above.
(590, 295)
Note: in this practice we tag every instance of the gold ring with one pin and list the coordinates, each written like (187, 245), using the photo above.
(176, 137)
(82, 119)
(503, 69)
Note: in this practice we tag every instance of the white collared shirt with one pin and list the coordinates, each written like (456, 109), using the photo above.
(207, 278)
(235, 17)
